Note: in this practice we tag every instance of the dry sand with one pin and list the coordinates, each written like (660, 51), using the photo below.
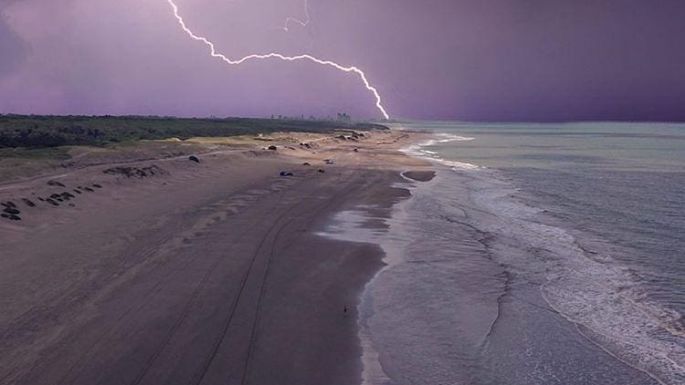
(154, 269)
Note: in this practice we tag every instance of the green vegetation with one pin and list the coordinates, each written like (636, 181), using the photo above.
(48, 153)
(54, 131)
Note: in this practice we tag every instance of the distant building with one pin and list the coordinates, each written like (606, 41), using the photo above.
(344, 117)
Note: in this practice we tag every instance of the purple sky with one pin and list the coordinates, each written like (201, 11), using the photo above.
(500, 60)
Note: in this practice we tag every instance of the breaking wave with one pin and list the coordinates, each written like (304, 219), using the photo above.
(420, 150)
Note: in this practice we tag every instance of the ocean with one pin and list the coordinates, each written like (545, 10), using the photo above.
(539, 254)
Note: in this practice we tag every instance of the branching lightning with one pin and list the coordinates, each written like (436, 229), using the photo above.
(275, 55)
(298, 21)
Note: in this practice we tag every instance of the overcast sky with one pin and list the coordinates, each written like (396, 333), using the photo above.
(501, 60)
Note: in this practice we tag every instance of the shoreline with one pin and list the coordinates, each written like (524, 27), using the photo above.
(368, 225)
(129, 281)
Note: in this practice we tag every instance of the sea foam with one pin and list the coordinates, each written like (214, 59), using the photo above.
(420, 150)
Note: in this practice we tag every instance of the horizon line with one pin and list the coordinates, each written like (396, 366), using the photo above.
(374, 120)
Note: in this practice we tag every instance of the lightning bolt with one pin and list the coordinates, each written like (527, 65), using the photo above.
(275, 55)
(298, 21)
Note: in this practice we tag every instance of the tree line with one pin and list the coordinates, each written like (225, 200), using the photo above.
(52, 131)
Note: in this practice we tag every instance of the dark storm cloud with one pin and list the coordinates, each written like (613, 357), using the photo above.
(444, 59)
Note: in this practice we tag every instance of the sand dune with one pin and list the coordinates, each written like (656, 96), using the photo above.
(170, 271)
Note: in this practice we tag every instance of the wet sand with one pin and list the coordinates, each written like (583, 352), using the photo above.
(193, 273)
(420, 175)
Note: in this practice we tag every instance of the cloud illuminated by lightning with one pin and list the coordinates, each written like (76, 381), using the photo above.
(275, 55)
(298, 21)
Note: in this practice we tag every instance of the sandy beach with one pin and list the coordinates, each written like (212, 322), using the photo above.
(150, 268)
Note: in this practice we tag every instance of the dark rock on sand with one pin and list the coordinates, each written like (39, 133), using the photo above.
(272, 148)
(56, 183)
(136, 172)
(306, 164)
(286, 173)
(88, 189)
(97, 185)
(12, 217)
(322, 170)
(11, 211)
(9, 204)
(52, 202)
(78, 191)
(28, 202)
(194, 158)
